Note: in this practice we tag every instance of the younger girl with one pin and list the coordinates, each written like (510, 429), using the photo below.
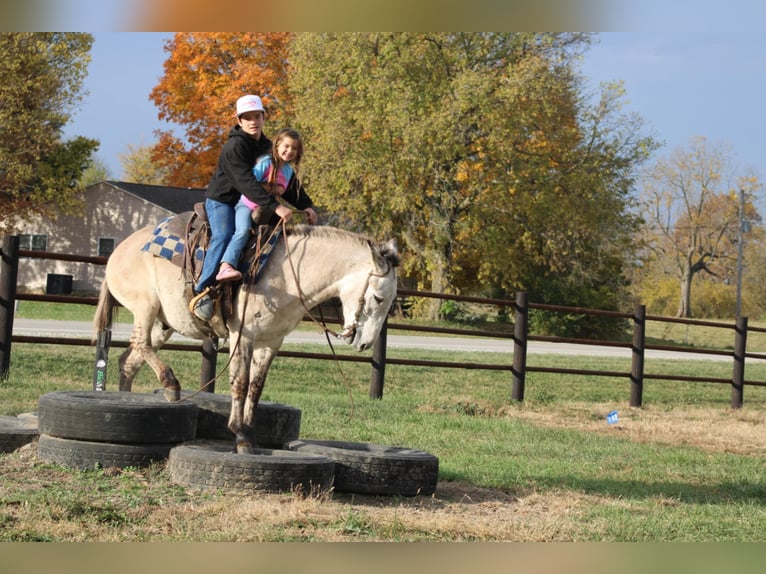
(276, 172)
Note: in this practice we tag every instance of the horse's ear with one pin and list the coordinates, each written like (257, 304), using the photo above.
(388, 252)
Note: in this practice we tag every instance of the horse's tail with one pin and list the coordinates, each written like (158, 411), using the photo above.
(105, 310)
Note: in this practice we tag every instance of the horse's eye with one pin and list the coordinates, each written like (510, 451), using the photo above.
(378, 300)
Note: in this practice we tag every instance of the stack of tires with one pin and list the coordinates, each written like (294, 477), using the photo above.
(92, 429)
(101, 429)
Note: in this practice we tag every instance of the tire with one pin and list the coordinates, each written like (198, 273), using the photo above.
(15, 432)
(87, 455)
(275, 424)
(116, 417)
(365, 468)
(209, 466)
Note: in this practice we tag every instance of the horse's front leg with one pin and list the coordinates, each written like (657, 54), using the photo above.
(239, 368)
(261, 362)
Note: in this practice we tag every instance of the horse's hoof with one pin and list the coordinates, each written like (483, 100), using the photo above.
(244, 448)
(172, 395)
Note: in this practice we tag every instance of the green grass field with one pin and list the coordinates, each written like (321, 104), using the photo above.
(685, 467)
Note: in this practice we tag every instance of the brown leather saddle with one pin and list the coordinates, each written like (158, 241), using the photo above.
(183, 239)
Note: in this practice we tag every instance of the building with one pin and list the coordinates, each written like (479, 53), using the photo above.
(112, 210)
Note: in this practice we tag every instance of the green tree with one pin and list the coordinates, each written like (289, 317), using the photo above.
(478, 150)
(41, 78)
(139, 167)
(97, 171)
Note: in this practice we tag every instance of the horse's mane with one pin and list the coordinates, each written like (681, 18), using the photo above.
(387, 250)
(327, 232)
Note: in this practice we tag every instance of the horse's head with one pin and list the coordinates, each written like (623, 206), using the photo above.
(367, 300)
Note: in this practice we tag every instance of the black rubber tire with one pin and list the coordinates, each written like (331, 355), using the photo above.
(116, 417)
(87, 455)
(276, 424)
(15, 432)
(212, 467)
(366, 468)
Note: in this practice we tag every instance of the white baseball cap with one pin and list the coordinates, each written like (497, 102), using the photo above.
(249, 103)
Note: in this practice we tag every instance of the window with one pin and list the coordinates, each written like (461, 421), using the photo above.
(105, 246)
(33, 242)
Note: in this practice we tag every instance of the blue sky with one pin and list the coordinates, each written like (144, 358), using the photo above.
(683, 84)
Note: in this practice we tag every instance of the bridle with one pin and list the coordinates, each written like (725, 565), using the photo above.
(349, 331)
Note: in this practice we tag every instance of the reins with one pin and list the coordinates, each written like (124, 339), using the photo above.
(348, 331)
(251, 276)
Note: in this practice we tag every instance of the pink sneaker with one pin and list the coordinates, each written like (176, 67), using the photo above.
(228, 274)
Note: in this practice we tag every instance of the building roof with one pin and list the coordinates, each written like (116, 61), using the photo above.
(174, 199)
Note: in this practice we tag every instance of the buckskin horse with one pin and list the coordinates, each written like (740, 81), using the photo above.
(308, 265)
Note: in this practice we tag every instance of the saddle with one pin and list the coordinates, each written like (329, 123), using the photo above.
(183, 239)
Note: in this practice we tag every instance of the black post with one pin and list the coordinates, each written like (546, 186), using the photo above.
(9, 272)
(379, 363)
(738, 374)
(102, 359)
(209, 364)
(520, 332)
(639, 346)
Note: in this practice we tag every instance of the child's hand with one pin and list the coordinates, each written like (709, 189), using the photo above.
(284, 212)
(311, 215)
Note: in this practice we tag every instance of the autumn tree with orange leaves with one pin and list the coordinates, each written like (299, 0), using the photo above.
(204, 75)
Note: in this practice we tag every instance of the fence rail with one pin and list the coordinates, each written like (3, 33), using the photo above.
(520, 337)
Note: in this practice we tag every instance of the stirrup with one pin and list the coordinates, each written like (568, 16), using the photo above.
(196, 298)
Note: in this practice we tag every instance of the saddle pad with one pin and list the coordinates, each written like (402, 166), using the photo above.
(167, 244)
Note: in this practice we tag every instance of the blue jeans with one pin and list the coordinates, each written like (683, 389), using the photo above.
(242, 226)
(221, 218)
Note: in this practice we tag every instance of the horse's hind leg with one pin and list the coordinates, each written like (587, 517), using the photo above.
(130, 362)
(142, 351)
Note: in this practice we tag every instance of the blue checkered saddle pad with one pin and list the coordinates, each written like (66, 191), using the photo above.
(169, 239)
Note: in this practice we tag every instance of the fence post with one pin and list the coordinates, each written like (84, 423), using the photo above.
(209, 364)
(738, 374)
(103, 341)
(9, 271)
(639, 346)
(379, 363)
(520, 332)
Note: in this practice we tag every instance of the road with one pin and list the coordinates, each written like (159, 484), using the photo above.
(121, 331)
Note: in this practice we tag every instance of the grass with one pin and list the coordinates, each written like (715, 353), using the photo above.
(685, 467)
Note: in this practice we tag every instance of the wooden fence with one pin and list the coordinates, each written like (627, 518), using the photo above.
(379, 360)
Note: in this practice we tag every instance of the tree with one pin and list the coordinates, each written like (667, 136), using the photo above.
(477, 149)
(41, 77)
(205, 73)
(138, 166)
(97, 171)
(691, 202)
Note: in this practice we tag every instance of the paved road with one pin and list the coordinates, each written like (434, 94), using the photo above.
(79, 330)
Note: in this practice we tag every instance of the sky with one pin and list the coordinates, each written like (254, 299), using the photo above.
(683, 85)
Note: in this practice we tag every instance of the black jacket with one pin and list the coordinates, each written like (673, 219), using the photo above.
(234, 174)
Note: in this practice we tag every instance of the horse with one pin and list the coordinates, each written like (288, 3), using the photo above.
(307, 266)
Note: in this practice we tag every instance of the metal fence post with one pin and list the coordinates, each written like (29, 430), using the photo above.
(738, 374)
(103, 341)
(379, 363)
(9, 270)
(520, 332)
(639, 346)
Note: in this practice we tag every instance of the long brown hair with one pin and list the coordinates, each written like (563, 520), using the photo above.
(275, 159)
